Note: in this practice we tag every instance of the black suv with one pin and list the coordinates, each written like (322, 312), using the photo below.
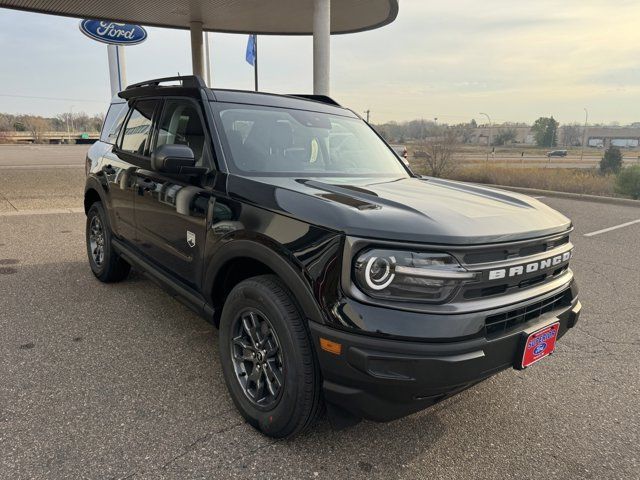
(336, 276)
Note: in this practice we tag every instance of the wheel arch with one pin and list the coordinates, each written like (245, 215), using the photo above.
(253, 258)
(91, 196)
(94, 191)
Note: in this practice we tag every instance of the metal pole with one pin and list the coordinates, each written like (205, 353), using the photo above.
(490, 127)
(321, 46)
(255, 63)
(584, 132)
(207, 60)
(117, 68)
(196, 49)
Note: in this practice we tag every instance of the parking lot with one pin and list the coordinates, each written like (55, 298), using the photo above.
(122, 381)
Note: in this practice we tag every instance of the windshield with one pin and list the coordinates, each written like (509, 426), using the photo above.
(286, 142)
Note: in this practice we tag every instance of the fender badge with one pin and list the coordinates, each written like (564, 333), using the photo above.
(191, 239)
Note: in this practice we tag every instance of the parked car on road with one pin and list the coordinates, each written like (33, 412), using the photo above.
(336, 276)
(557, 153)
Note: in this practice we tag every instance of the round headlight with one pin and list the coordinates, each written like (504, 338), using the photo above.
(379, 272)
(430, 277)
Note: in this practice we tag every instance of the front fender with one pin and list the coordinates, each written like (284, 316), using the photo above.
(99, 186)
(276, 258)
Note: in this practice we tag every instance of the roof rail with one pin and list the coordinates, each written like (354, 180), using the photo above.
(317, 98)
(192, 81)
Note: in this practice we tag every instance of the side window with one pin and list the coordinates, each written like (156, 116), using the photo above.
(180, 123)
(138, 128)
(112, 122)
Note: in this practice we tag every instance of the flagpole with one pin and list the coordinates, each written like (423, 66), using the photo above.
(255, 66)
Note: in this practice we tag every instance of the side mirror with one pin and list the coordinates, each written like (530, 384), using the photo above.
(172, 159)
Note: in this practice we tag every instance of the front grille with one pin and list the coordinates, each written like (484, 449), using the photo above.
(503, 322)
(487, 258)
(482, 292)
(500, 254)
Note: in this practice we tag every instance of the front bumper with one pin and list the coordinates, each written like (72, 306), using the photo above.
(382, 379)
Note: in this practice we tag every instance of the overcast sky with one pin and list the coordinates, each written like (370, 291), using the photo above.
(514, 60)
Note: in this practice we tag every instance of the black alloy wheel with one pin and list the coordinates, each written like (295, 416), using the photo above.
(257, 358)
(96, 240)
(104, 261)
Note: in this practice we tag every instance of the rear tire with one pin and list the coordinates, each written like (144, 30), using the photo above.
(267, 358)
(105, 263)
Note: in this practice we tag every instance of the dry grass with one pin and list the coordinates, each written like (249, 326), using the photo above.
(558, 179)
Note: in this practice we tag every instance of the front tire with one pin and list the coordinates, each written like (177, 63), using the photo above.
(105, 263)
(267, 358)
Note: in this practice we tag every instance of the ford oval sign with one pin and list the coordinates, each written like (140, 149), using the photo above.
(540, 349)
(112, 32)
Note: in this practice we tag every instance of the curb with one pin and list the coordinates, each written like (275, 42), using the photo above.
(574, 196)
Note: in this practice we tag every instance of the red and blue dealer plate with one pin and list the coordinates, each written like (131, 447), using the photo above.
(539, 344)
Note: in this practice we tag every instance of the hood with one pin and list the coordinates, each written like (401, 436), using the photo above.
(421, 210)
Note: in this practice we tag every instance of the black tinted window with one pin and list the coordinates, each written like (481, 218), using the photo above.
(138, 127)
(113, 122)
(180, 124)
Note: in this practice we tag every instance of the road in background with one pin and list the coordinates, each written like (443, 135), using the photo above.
(37, 156)
(40, 177)
(122, 381)
(510, 159)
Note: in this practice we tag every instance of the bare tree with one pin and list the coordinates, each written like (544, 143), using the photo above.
(37, 126)
(571, 135)
(505, 136)
(6, 122)
(440, 151)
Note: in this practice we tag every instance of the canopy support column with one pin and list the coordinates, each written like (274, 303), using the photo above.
(197, 57)
(117, 68)
(207, 61)
(321, 46)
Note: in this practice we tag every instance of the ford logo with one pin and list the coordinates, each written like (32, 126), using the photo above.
(540, 348)
(113, 32)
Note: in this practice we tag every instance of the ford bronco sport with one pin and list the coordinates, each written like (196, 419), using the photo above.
(336, 276)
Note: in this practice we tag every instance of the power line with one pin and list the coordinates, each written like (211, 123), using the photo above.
(53, 98)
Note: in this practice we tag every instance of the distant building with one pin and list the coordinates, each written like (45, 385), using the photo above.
(568, 135)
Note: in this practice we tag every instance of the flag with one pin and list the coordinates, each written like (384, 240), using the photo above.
(250, 56)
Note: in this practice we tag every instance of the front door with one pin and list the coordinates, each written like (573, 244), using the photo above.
(130, 149)
(171, 210)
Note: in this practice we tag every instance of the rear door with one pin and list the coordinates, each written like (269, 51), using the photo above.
(171, 210)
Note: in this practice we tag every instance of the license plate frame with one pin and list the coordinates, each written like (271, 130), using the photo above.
(537, 344)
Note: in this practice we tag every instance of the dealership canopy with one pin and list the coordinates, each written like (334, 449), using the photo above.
(265, 17)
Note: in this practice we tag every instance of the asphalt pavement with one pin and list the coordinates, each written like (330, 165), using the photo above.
(37, 156)
(122, 381)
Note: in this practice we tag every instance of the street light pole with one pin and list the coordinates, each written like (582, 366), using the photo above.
(490, 127)
(584, 132)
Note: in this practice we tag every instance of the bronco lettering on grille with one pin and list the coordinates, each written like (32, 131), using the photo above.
(529, 267)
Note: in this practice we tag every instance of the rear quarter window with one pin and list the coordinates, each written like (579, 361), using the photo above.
(113, 122)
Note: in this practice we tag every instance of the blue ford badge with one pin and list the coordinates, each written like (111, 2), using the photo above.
(540, 348)
(112, 32)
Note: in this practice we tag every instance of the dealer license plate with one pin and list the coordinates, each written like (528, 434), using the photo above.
(539, 344)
